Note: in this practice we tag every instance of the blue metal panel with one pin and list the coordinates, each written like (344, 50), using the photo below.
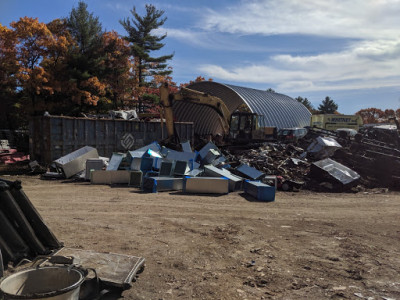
(115, 161)
(259, 190)
(249, 172)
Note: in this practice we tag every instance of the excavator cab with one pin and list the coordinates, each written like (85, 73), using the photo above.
(242, 126)
(247, 127)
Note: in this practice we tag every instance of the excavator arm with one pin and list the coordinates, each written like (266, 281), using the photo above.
(196, 97)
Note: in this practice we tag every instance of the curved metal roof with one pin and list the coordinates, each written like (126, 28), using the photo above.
(278, 110)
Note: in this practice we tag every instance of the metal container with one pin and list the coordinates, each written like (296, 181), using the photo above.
(93, 164)
(259, 190)
(181, 168)
(135, 178)
(166, 168)
(328, 169)
(206, 185)
(110, 177)
(54, 137)
(161, 184)
(75, 162)
(52, 283)
(235, 182)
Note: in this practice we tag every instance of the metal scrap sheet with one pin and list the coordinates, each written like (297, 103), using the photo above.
(118, 270)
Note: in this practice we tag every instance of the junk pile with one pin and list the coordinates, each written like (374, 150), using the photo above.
(321, 161)
(325, 161)
(153, 168)
(27, 243)
(377, 163)
(13, 160)
(285, 161)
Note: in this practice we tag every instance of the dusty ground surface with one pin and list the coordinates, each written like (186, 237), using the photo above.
(302, 246)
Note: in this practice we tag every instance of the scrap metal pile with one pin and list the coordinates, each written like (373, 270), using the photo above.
(378, 164)
(154, 168)
(282, 160)
(321, 161)
(324, 161)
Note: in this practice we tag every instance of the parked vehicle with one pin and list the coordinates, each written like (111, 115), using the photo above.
(333, 121)
(291, 135)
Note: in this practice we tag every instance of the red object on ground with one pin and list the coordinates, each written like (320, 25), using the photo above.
(12, 156)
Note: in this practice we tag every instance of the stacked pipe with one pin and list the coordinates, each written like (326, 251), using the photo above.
(23, 234)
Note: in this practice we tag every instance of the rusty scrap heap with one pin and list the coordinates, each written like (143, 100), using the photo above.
(325, 161)
(321, 161)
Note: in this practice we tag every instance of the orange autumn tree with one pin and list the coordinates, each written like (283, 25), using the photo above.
(198, 79)
(371, 115)
(56, 62)
(45, 60)
(70, 66)
(162, 79)
(44, 56)
(116, 65)
(8, 60)
(33, 41)
(8, 83)
(389, 113)
(151, 95)
(90, 91)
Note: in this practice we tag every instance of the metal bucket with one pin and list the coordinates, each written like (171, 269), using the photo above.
(52, 283)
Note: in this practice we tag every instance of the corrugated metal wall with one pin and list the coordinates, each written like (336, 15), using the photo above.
(54, 137)
(278, 110)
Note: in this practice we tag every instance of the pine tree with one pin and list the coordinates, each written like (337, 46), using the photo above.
(328, 106)
(143, 43)
(85, 59)
(86, 31)
(306, 103)
(84, 27)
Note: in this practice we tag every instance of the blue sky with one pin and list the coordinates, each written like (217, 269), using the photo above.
(346, 49)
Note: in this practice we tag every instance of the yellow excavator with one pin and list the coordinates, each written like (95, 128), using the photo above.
(238, 127)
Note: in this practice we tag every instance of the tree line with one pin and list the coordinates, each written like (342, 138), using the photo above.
(71, 65)
(328, 106)
(369, 115)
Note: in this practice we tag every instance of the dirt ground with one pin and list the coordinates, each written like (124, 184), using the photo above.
(302, 246)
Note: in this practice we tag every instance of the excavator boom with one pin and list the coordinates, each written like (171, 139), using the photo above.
(238, 127)
(196, 97)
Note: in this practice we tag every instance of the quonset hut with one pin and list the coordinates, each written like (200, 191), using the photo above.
(279, 110)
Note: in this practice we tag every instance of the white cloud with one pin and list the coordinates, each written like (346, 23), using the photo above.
(190, 37)
(372, 60)
(207, 40)
(334, 18)
(370, 64)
